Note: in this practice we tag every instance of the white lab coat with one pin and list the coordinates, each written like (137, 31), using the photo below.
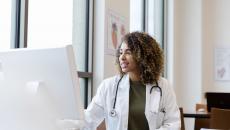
(161, 112)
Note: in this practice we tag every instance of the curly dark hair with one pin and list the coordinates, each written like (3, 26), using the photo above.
(147, 53)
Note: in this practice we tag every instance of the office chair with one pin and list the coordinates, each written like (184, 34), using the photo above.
(182, 118)
(201, 122)
(220, 118)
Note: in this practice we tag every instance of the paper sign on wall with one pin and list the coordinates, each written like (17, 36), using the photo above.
(222, 64)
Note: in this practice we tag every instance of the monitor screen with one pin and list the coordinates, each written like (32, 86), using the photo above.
(37, 88)
(218, 100)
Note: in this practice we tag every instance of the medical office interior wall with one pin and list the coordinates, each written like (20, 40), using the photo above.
(199, 27)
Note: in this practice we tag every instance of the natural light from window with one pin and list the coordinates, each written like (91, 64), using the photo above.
(5, 23)
(136, 15)
(49, 23)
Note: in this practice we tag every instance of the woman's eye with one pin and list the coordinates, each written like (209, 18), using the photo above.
(128, 52)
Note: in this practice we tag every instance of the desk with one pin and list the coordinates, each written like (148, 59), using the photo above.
(196, 115)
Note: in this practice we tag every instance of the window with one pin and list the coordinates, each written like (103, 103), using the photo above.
(5, 23)
(49, 23)
(155, 23)
(137, 15)
(82, 42)
(155, 19)
(57, 23)
(148, 16)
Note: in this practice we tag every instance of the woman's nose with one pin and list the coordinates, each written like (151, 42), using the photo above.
(122, 56)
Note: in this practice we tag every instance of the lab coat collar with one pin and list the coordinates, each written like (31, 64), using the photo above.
(124, 81)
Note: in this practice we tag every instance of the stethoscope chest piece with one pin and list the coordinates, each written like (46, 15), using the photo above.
(113, 113)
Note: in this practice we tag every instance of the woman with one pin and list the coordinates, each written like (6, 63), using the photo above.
(139, 98)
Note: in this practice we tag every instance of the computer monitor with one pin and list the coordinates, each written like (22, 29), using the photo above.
(38, 87)
(218, 100)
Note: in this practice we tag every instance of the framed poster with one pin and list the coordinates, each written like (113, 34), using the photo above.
(222, 64)
(116, 29)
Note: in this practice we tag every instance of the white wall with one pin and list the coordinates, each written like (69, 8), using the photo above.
(187, 55)
(199, 27)
(187, 52)
(215, 35)
(104, 64)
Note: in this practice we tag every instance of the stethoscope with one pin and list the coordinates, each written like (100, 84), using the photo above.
(113, 112)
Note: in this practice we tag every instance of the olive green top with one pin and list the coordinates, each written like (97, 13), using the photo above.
(137, 119)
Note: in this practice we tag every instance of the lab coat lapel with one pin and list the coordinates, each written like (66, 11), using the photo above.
(152, 105)
(153, 98)
(124, 100)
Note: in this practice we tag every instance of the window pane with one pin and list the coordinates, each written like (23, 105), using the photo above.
(80, 41)
(5, 23)
(136, 15)
(79, 33)
(49, 23)
(155, 19)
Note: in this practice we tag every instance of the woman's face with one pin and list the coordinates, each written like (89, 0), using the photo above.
(126, 60)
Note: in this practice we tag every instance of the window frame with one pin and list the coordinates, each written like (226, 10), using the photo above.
(20, 32)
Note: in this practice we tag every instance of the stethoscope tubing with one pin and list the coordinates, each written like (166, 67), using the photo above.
(157, 86)
(113, 112)
(115, 99)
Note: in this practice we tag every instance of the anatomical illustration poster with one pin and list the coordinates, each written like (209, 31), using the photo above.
(116, 29)
(222, 64)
